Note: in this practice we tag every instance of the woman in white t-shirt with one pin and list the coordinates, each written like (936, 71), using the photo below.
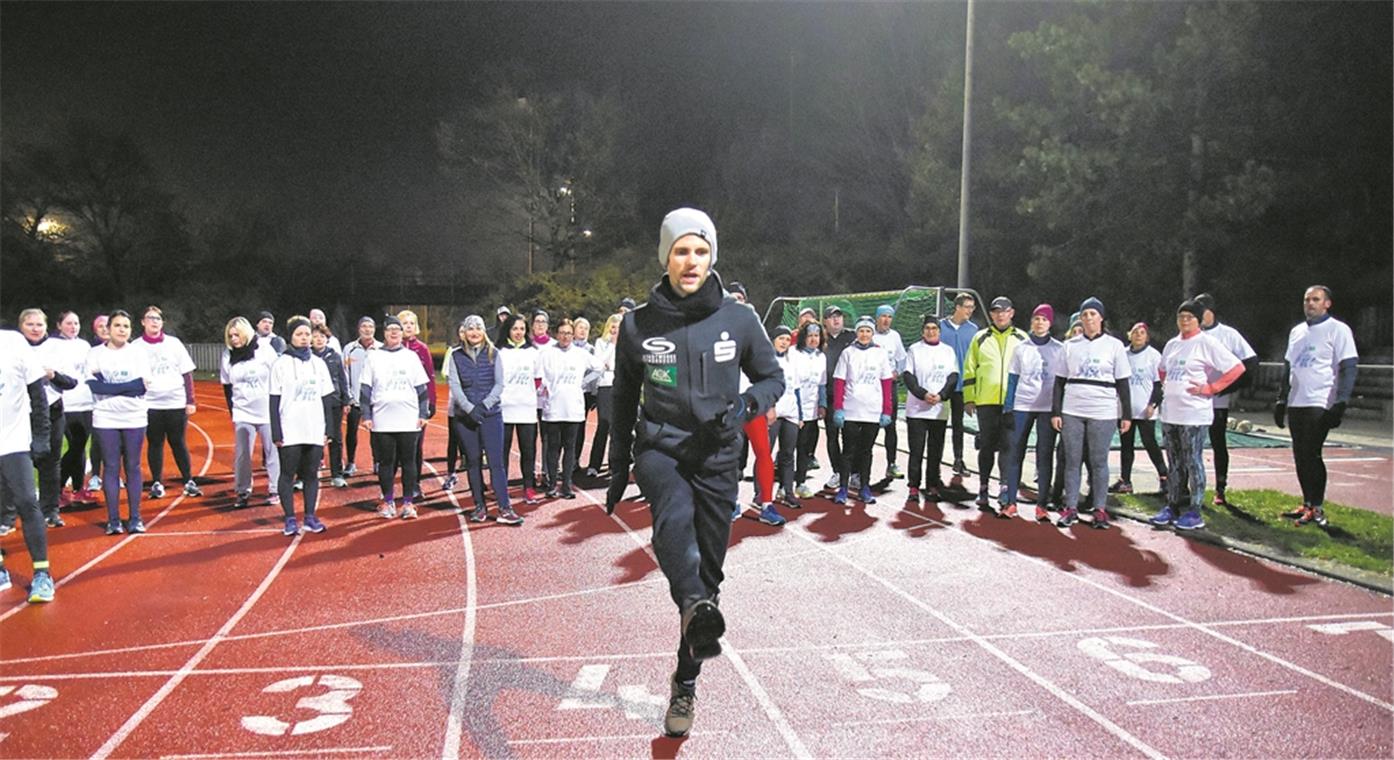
(300, 392)
(931, 374)
(1030, 386)
(563, 369)
(33, 325)
(246, 377)
(812, 368)
(603, 361)
(117, 373)
(170, 396)
(23, 436)
(863, 393)
(1145, 387)
(71, 351)
(788, 420)
(518, 356)
(393, 391)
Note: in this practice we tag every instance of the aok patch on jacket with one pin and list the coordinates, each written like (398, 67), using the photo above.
(666, 376)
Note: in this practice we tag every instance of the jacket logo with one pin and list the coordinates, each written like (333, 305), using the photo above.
(659, 345)
(724, 350)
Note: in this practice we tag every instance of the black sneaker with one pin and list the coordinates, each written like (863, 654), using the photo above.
(54, 521)
(508, 517)
(1068, 516)
(984, 503)
(677, 721)
(960, 468)
(479, 514)
(702, 627)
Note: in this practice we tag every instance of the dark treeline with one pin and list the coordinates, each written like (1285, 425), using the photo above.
(1140, 152)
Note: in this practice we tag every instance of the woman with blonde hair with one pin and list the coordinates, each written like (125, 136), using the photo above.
(476, 391)
(603, 361)
(246, 377)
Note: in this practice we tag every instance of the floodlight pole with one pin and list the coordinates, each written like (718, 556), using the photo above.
(963, 199)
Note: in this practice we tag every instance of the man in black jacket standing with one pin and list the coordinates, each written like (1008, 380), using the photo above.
(678, 362)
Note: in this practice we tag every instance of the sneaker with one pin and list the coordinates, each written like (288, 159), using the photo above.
(855, 482)
(479, 514)
(292, 527)
(274, 499)
(914, 494)
(157, 490)
(54, 520)
(191, 489)
(1313, 515)
(1163, 518)
(677, 721)
(1296, 513)
(5, 579)
(417, 495)
(984, 503)
(449, 483)
(592, 472)
(1122, 486)
(114, 528)
(553, 493)
(1007, 512)
(65, 498)
(834, 482)
(41, 590)
(241, 501)
(790, 501)
(865, 496)
(135, 526)
(1190, 521)
(313, 525)
(298, 485)
(408, 511)
(85, 496)
(351, 470)
(770, 516)
(1100, 519)
(530, 496)
(702, 627)
(94, 483)
(813, 465)
(841, 497)
(339, 482)
(895, 473)
(803, 492)
(508, 517)
(960, 468)
(1068, 516)
(1220, 500)
(1042, 516)
(387, 511)
(736, 513)
(568, 494)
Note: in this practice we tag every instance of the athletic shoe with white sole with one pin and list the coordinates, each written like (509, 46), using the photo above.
(5, 582)
(770, 516)
(1313, 515)
(1100, 519)
(135, 526)
(339, 482)
(479, 514)
(736, 513)
(1068, 516)
(387, 510)
(449, 483)
(351, 470)
(313, 525)
(54, 521)
(1163, 518)
(508, 517)
(865, 496)
(677, 720)
(834, 482)
(408, 511)
(894, 473)
(157, 490)
(1190, 521)
(114, 528)
(292, 526)
(803, 492)
(191, 489)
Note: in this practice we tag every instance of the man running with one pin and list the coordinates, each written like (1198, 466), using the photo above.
(677, 370)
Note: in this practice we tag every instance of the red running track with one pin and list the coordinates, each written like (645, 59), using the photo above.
(886, 631)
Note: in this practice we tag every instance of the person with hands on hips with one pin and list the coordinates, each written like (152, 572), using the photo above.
(677, 418)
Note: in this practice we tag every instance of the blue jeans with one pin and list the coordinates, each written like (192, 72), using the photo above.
(1185, 445)
(1045, 456)
(480, 440)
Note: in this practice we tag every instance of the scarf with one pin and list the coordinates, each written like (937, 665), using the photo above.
(1040, 340)
(303, 354)
(157, 339)
(697, 306)
(244, 353)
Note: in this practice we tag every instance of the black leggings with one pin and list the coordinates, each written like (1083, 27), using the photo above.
(527, 450)
(856, 451)
(355, 416)
(1308, 436)
(560, 440)
(956, 419)
(1148, 430)
(452, 446)
(17, 489)
(1219, 447)
(162, 425)
(300, 461)
(785, 432)
(808, 449)
(395, 450)
(603, 407)
(926, 451)
(50, 467)
(335, 434)
(74, 468)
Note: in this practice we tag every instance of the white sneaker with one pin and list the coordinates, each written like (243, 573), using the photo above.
(834, 482)
(387, 510)
(803, 492)
(94, 483)
(408, 511)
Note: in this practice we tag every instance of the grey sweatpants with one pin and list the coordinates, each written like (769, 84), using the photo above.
(1072, 435)
(246, 434)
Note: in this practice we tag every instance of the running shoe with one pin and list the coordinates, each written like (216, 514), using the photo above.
(553, 493)
(41, 590)
(313, 525)
(568, 494)
(65, 498)
(135, 526)
(298, 485)
(1042, 516)
(1007, 512)
(94, 483)
(241, 501)
(895, 473)
(984, 502)
(1190, 521)
(191, 489)
(960, 468)
(449, 483)
(677, 720)
(157, 490)
(417, 495)
(841, 497)
(1220, 500)
(85, 496)
(1068, 516)
(54, 520)
(813, 465)
(1122, 486)
(408, 511)
(1313, 515)
(114, 528)
(351, 470)
(592, 472)
(855, 482)
(865, 496)
(1296, 513)
(1100, 519)
(1163, 518)
(339, 482)
(530, 496)
(508, 517)
(834, 482)
(292, 526)
(914, 494)
(5, 582)
(479, 514)
(770, 516)
(274, 499)
(702, 628)
(803, 492)
(736, 513)
(791, 502)
(387, 510)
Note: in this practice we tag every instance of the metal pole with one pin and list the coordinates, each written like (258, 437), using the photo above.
(963, 199)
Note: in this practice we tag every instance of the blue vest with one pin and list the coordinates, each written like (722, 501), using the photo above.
(476, 376)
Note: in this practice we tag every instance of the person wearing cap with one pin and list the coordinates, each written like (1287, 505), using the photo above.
(1090, 389)
(24, 437)
(1030, 383)
(806, 315)
(677, 375)
(476, 381)
(835, 341)
(1237, 345)
(889, 339)
(266, 324)
(1194, 368)
(302, 391)
(862, 397)
(170, 398)
(1319, 369)
(518, 399)
(501, 315)
(812, 374)
(411, 340)
(757, 436)
(317, 318)
(957, 330)
(334, 409)
(985, 371)
(1146, 391)
(245, 373)
(393, 393)
(784, 428)
(930, 376)
(355, 359)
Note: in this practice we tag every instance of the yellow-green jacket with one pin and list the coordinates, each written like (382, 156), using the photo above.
(985, 366)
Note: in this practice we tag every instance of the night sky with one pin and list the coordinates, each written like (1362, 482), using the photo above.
(329, 108)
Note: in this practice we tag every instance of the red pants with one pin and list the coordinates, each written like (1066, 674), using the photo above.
(757, 432)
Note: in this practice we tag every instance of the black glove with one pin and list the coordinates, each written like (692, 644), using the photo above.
(1333, 416)
(728, 425)
(619, 480)
(1280, 413)
(477, 414)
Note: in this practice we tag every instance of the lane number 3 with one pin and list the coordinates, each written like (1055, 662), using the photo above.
(330, 705)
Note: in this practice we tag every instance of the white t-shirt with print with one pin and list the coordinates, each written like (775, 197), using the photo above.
(1102, 361)
(895, 347)
(19, 366)
(1036, 368)
(302, 386)
(47, 357)
(120, 365)
(1235, 343)
(1315, 352)
(168, 360)
(787, 406)
(71, 357)
(251, 385)
(812, 370)
(562, 370)
(863, 369)
(1146, 366)
(393, 376)
(1199, 359)
(931, 365)
(518, 400)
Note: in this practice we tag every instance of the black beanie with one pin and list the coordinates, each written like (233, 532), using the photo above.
(1192, 306)
(1206, 301)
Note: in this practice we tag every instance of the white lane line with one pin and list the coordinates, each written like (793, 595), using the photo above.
(772, 711)
(1185, 622)
(129, 537)
(962, 716)
(1211, 697)
(1015, 664)
(282, 753)
(610, 738)
(1343, 460)
(267, 531)
(133, 722)
(454, 724)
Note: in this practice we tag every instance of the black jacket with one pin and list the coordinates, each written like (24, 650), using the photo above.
(677, 373)
(336, 371)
